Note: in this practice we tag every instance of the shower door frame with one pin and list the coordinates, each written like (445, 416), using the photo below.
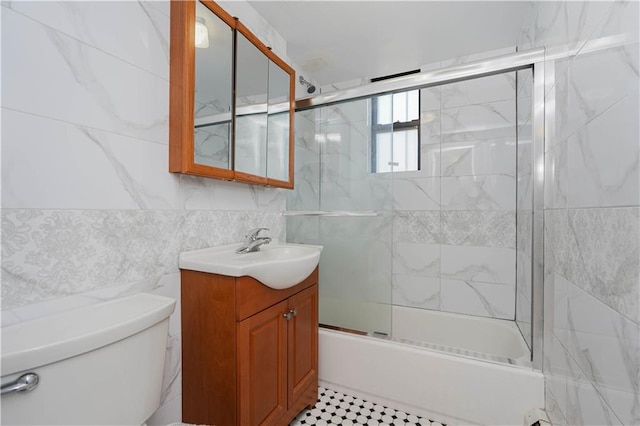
(531, 59)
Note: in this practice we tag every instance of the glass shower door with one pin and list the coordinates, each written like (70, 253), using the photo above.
(352, 217)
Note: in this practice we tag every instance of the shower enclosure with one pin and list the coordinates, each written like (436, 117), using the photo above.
(423, 189)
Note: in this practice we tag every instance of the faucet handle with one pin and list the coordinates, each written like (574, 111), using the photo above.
(253, 234)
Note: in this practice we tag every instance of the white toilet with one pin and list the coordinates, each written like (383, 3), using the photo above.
(97, 365)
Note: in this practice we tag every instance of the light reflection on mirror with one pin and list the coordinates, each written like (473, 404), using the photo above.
(202, 33)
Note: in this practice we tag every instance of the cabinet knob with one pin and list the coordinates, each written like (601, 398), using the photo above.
(292, 313)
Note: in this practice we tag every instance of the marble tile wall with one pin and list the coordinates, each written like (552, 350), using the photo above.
(592, 213)
(89, 210)
(454, 219)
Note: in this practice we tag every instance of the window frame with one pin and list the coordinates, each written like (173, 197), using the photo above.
(377, 128)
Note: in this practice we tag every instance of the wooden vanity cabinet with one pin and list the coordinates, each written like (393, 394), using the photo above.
(249, 352)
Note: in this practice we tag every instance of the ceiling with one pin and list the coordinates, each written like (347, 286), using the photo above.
(337, 41)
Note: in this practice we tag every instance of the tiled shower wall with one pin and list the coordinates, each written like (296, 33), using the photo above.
(592, 213)
(89, 210)
(465, 195)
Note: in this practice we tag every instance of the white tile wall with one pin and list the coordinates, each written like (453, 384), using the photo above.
(83, 85)
(478, 298)
(479, 121)
(599, 336)
(416, 193)
(599, 176)
(416, 259)
(417, 291)
(479, 91)
(592, 222)
(142, 38)
(485, 264)
(489, 192)
(484, 157)
(61, 165)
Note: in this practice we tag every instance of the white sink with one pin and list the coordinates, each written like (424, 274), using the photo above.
(278, 266)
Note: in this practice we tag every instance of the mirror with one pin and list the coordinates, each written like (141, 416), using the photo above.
(231, 100)
(213, 90)
(252, 85)
(278, 124)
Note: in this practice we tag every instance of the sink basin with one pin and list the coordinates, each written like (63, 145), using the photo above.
(278, 266)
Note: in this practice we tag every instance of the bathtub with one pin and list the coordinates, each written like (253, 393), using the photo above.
(459, 375)
(486, 338)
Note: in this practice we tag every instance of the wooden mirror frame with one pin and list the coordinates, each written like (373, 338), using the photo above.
(182, 96)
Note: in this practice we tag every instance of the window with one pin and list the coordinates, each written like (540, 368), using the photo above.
(395, 131)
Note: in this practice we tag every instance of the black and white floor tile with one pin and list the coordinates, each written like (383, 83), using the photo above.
(335, 408)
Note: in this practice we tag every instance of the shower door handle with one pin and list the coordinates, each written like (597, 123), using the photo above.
(333, 213)
(24, 383)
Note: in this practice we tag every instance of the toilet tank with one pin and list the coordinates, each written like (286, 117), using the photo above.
(98, 365)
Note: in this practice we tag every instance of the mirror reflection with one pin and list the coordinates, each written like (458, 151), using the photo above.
(251, 108)
(278, 123)
(213, 83)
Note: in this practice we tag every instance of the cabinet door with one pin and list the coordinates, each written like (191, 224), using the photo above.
(303, 343)
(262, 363)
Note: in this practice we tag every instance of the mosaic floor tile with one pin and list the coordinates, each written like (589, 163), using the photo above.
(335, 408)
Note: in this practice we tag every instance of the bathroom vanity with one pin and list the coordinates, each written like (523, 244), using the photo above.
(249, 352)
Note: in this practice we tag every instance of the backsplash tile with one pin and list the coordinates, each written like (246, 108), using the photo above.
(48, 254)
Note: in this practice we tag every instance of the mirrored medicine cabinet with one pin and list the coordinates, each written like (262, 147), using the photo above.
(231, 100)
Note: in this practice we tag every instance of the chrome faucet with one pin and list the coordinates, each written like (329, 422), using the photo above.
(252, 241)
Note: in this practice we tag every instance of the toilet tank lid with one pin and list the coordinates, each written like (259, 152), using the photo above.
(49, 339)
